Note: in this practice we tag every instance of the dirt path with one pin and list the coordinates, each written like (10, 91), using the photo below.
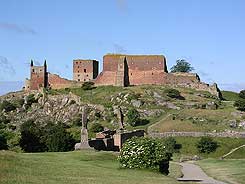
(194, 173)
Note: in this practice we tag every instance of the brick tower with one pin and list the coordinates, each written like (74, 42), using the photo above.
(85, 70)
(39, 76)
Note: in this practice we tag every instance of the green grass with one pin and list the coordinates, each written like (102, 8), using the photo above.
(230, 95)
(75, 167)
(231, 171)
(225, 146)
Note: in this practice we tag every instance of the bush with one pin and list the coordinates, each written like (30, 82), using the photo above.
(77, 121)
(19, 102)
(7, 106)
(96, 127)
(30, 99)
(31, 135)
(145, 153)
(133, 117)
(52, 137)
(87, 85)
(171, 145)
(206, 145)
(3, 142)
(240, 104)
(56, 138)
(172, 93)
(242, 94)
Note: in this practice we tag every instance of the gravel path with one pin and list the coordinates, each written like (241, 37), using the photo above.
(194, 173)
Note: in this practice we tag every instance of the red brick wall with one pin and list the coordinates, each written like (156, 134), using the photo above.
(85, 70)
(141, 69)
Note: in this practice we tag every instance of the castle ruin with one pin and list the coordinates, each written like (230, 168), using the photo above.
(118, 70)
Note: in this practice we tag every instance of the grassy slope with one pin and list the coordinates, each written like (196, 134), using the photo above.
(232, 171)
(230, 95)
(225, 146)
(74, 167)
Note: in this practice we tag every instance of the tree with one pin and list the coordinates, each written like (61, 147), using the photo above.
(182, 66)
(96, 127)
(57, 138)
(30, 140)
(242, 94)
(240, 104)
(206, 145)
(133, 117)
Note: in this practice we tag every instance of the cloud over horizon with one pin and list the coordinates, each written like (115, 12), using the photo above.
(6, 68)
(17, 28)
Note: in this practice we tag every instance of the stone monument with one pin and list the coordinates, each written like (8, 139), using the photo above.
(84, 132)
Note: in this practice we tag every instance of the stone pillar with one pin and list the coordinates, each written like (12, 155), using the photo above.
(84, 132)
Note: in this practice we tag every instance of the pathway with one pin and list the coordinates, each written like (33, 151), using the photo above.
(232, 151)
(193, 173)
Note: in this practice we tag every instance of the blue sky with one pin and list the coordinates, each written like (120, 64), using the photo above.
(207, 33)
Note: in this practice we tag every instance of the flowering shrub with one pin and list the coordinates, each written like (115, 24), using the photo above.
(145, 153)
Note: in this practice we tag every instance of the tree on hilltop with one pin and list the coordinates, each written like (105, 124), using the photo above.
(182, 66)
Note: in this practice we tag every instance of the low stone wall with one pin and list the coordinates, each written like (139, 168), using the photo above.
(198, 134)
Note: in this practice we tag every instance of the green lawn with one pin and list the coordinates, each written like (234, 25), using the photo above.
(188, 147)
(74, 167)
(231, 171)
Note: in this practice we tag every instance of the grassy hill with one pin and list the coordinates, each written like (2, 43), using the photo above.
(75, 167)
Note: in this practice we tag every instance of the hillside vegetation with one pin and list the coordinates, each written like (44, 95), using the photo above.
(161, 109)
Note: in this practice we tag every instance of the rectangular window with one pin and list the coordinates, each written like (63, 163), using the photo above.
(85, 70)
(78, 79)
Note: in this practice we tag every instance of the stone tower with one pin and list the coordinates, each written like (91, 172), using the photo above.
(85, 70)
(38, 76)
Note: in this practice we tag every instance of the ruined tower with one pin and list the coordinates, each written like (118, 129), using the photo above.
(85, 70)
(38, 77)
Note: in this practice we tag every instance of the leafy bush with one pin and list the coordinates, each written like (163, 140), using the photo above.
(172, 93)
(19, 102)
(56, 138)
(171, 145)
(7, 106)
(96, 127)
(242, 94)
(206, 145)
(87, 85)
(30, 99)
(240, 104)
(133, 117)
(77, 121)
(145, 153)
(3, 142)
(52, 137)
(31, 135)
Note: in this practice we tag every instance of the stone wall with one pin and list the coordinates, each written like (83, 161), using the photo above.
(198, 134)
(56, 82)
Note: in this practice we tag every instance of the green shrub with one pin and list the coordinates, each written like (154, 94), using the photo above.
(171, 145)
(30, 99)
(87, 85)
(56, 138)
(19, 102)
(133, 117)
(240, 104)
(31, 135)
(3, 142)
(145, 153)
(242, 94)
(7, 106)
(96, 127)
(206, 145)
(77, 121)
(172, 93)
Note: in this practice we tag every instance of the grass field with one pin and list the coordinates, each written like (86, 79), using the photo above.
(225, 146)
(75, 167)
(231, 171)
